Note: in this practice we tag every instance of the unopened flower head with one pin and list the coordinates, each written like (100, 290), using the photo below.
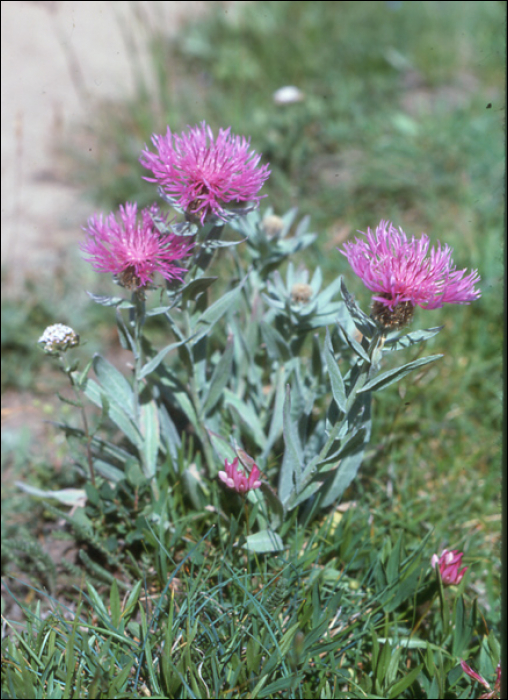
(404, 276)
(201, 173)
(134, 249)
(235, 479)
(272, 225)
(58, 338)
(449, 563)
(491, 694)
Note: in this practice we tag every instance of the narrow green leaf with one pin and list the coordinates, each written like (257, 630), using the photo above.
(381, 381)
(214, 312)
(363, 323)
(97, 602)
(460, 635)
(197, 286)
(400, 342)
(349, 466)
(248, 416)
(338, 388)
(95, 393)
(126, 340)
(109, 301)
(276, 346)
(114, 603)
(170, 436)
(276, 424)
(132, 601)
(291, 468)
(220, 377)
(399, 687)
(357, 348)
(352, 445)
(264, 541)
(152, 364)
(222, 448)
(151, 437)
(116, 386)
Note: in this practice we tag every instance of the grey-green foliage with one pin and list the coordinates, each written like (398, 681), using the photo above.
(279, 371)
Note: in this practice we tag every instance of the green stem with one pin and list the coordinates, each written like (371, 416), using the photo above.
(86, 430)
(194, 395)
(138, 320)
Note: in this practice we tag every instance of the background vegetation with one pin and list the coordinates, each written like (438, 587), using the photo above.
(402, 120)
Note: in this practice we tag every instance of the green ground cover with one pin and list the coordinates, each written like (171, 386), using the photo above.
(401, 120)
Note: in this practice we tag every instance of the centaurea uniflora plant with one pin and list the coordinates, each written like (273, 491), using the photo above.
(133, 248)
(404, 274)
(236, 373)
(202, 173)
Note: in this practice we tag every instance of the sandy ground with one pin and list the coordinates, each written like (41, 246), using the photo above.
(58, 60)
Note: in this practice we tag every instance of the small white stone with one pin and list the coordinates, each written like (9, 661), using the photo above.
(287, 95)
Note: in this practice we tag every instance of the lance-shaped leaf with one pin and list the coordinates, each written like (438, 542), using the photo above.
(295, 499)
(126, 340)
(117, 388)
(338, 388)
(353, 445)
(292, 462)
(338, 481)
(357, 347)
(214, 312)
(405, 341)
(364, 324)
(151, 437)
(381, 381)
(108, 471)
(152, 364)
(248, 416)
(69, 497)
(275, 507)
(220, 378)
(111, 301)
(223, 449)
(264, 541)
(276, 346)
(170, 436)
(99, 397)
(276, 424)
(196, 287)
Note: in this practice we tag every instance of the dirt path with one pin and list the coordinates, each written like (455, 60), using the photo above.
(58, 59)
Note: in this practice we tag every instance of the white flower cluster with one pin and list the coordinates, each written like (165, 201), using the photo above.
(58, 338)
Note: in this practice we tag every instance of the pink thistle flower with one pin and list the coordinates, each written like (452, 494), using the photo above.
(134, 249)
(200, 172)
(236, 479)
(402, 275)
(449, 563)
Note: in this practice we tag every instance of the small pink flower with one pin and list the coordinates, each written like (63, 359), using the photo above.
(201, 172)
(449, 563)
(401, 273)
(236, 479)
(134, 249)
(479, 679)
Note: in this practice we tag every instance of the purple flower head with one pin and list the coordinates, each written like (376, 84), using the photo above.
(236, 479)
(201, 172)
(449, 563)
(404, 276)
(134, 249)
